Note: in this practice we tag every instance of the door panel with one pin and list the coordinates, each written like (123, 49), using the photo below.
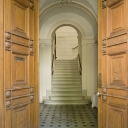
(21, 117)
(114, 59)
(117, 117)
(19, 63)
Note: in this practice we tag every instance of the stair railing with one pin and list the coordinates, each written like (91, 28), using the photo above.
(80, 66)
(74, 47)
(53, 64)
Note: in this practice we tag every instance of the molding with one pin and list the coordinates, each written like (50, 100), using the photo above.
(112, 2)
(87, 42)
(95, 45)
(7, 35)
(8, 45)
(8, 93)
(31, 5)
(45, 42)
(32, 98)
(104, 3)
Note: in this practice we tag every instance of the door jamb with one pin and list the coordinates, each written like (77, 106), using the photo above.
(2, 40)
(36, 63)
(99, 59)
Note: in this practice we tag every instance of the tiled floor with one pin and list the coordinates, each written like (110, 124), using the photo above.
(68, 116)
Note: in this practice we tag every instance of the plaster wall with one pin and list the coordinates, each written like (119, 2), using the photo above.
(45, 69)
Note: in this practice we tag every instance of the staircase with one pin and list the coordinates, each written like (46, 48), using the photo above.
(66, 84)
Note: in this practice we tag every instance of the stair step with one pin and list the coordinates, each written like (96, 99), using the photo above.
(66, 74)
(69, 76)
(66, 78)
(54, 93)
(69, 102)
(66, 86)
(66, 64)
(66, 71)
(66, 82)
(77, 89)
(66, 68)
(72, 61)
(66, 98)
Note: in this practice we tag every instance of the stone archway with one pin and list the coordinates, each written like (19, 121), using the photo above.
(78, 28)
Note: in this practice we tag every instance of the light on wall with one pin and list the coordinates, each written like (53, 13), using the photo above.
(65, 2)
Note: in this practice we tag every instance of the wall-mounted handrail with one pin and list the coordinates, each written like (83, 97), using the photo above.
(80, 66)
(52, 64)
(75, 48)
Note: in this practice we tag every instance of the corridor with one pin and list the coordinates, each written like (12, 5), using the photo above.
(68, 116)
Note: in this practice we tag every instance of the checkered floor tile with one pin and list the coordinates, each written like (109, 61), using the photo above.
(68, 116)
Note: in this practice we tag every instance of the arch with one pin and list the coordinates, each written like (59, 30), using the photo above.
(78, 28)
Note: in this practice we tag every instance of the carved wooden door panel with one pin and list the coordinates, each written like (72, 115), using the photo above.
(114, 90)
(19, 63)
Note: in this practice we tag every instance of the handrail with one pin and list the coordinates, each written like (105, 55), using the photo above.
(75, 48)
(52, 64)
(80, 64)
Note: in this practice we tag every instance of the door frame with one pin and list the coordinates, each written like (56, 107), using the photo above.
(36, 64)
(99, 59)
(2, 99)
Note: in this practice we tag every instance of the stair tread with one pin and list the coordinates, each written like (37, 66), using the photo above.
(66, 92)
(66, 87)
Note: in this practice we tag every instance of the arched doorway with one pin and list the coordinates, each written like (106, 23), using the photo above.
(66, 43)
(74, 38)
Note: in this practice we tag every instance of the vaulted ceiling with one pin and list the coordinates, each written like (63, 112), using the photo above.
(83, 13)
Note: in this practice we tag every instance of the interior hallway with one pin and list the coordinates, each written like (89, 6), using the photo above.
(68, 116)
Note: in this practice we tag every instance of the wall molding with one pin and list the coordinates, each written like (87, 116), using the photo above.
(45, 42)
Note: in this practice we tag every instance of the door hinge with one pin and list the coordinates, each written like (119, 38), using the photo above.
(99, 80)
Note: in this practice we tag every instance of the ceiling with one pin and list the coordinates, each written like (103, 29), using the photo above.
(83, 13)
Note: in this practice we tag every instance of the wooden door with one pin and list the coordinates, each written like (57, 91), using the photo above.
(113, 63)
(19, 95)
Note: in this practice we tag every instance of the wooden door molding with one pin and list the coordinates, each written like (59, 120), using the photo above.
(36, 63)
(100, 57)
(2, 100)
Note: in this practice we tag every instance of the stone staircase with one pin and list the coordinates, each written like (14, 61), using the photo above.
(66, 84)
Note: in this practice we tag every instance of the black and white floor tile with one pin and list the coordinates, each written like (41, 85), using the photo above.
(68, 116)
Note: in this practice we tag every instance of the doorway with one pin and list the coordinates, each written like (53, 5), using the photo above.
(66, 43)
(58, 113)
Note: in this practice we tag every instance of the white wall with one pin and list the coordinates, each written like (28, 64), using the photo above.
(89, 67)
(66, 40)
(45, 69)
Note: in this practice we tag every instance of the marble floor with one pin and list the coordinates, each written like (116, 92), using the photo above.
(68, 116)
